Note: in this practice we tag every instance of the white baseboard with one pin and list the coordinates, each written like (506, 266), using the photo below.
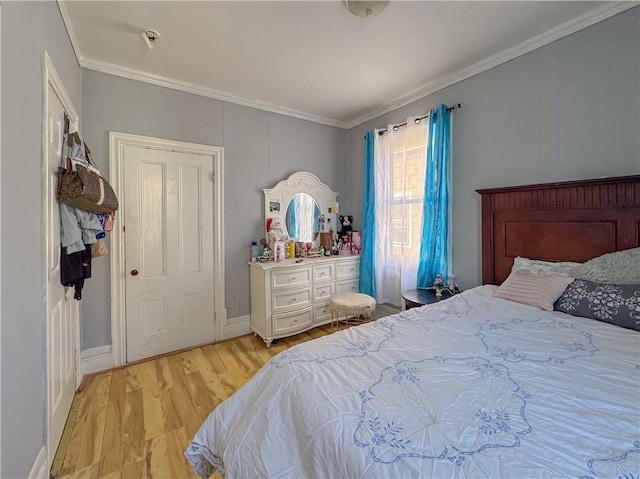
(39, 470)
(94, 360)
(236, 327)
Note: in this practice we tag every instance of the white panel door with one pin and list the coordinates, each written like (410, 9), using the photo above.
(62, 309)
(168, 222)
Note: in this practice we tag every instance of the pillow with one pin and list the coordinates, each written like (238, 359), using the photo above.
(539, 290)
(621, 267)
(536, 266)
(617, 304)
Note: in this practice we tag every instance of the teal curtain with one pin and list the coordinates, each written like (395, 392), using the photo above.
(434, 248)
(367, 255)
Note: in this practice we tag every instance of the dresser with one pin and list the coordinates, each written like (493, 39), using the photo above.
(288, 298)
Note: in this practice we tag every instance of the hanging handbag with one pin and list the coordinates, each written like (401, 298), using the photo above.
(80, 183)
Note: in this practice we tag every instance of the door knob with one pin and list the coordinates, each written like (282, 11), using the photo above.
(134, 272)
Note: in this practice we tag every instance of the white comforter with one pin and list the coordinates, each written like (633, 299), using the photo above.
(470, 387)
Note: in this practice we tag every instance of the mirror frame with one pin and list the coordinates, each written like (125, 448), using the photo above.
(285, 190)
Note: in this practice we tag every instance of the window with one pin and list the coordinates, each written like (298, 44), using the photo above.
(408, 166)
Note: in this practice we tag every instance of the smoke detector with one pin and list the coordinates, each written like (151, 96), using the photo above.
(150, 36)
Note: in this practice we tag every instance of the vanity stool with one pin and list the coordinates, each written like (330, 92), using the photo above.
(351, 305)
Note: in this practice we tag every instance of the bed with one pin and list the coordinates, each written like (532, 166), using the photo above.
(473, 386)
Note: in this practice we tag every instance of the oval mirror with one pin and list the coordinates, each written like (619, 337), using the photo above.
(303, 216)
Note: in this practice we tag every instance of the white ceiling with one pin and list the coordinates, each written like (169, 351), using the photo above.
(313, 59)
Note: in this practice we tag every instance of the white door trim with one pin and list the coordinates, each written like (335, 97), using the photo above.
(52, 80)
(117, 142)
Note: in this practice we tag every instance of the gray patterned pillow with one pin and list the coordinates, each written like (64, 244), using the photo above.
(617, 304)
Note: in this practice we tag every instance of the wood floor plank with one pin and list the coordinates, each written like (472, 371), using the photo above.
(157, 463)
(163, 372)
(113, 444)
(244, 354)
(151, 400)
(134, 376)
(219, 390)
(176, 400)
(211, 354)
(229, 359)
(194, 360)
(152, 414)
(147, 377)
(204, 400)
(133, 428)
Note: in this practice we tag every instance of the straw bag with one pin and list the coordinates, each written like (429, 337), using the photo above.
(80, 183)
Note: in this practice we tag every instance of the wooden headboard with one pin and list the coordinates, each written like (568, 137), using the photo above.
(568, 221)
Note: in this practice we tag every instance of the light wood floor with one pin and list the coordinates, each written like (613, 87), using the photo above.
(135, 422)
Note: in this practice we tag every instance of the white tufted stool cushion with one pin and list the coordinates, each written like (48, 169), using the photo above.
(351, 305)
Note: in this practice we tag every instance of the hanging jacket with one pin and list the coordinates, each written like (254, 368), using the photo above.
(75, 268)
(77, 228)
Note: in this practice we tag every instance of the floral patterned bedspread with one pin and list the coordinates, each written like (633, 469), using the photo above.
(470, 387)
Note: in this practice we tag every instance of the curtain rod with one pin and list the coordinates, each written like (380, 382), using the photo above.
(418, 120)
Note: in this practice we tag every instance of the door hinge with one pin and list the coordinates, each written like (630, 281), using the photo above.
(215, 318)
(213, 176)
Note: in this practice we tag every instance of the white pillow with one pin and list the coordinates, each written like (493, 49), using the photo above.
(621, 267)
(536, 266)
(539, 290)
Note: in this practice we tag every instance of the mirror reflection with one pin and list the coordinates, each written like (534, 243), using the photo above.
(303, 215)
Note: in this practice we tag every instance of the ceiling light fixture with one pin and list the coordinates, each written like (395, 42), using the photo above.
(150, 37)
(364, 8)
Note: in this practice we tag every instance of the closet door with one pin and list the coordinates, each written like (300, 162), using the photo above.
(168, 221)
(62, 309)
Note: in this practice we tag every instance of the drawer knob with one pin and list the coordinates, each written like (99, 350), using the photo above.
(293, 300)
(295, 320)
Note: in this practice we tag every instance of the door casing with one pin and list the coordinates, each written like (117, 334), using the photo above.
(117, 142)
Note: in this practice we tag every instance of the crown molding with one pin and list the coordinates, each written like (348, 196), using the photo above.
(158, 80)
(590, 18)
(72, 36)
(596, 15)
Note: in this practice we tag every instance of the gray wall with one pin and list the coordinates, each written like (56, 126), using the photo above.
(260, 149)
(28, 29)
(569, 110)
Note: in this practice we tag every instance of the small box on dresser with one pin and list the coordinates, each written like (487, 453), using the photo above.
(288, 298)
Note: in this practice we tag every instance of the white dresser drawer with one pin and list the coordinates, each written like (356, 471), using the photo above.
(321, 312)
(349, 286)
(291, 322)
(288, 300)
(323, 272)
(291, 278)
(322, 291)
(346, 270)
